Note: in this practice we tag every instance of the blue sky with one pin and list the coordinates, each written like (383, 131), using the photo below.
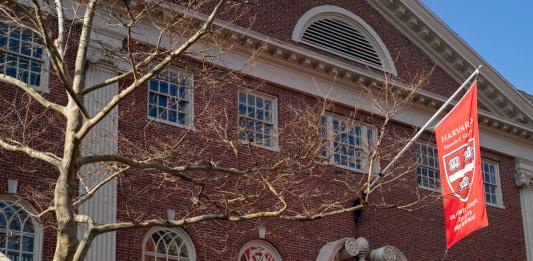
(500, 31)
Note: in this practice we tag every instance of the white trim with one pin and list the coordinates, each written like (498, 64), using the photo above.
(37, 224)
(499, 195)
(102, 139)
(275, 146)
(311, 82)
(526, 197)
(261, 243)
(45, 74)
(237, 60)
(191, 250)
(436, 156)
(329, 11)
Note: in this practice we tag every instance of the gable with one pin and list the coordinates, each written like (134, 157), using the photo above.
(454, 56)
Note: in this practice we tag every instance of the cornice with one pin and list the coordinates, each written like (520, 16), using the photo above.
(422, 27)
(283, 53)
(287, 54)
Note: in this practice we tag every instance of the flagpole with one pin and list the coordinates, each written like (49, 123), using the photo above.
(404, 149)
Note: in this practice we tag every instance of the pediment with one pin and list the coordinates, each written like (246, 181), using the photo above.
(496, 96)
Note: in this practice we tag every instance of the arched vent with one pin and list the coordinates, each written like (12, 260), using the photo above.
(342, 39)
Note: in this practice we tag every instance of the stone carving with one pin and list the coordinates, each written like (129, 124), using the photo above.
(387, 253)
(523, 172)
(347, 248)
(351, 247)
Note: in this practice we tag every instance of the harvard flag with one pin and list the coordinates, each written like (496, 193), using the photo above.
(460, 169)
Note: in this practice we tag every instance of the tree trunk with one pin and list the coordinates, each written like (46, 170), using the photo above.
(67, 233)
(67, 240)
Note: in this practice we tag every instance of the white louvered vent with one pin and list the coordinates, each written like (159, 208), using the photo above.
(342, 39)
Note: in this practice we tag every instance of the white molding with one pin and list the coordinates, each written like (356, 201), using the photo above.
(102, 139)
(352, 96)
(148, 34)
(526, 198)
(330, 11)
(512, 140)
(191, 250)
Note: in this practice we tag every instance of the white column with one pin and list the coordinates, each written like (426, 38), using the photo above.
(102, 139)
(524, 179)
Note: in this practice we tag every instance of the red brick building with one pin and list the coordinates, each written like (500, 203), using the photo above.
(309, 49)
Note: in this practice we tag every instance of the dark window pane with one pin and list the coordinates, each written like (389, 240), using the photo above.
(163, 87)
(152, 111)
(154, 84)
(181, 118)
(173, 90)
(173, 116)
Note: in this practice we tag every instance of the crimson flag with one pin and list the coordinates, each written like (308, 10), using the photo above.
(460, 169)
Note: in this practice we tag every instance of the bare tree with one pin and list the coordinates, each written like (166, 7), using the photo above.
(217, 167)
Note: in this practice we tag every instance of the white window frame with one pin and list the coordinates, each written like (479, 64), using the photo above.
(37, 224)
(191, 250)
(45, 68)
(261, 243)
(499, 196)
(189, 93)
(438, 181)
(275, 136)
(364, 141)
(334, 12)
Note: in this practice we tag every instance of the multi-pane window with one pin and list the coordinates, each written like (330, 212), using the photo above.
(347, 143)
(22, 56)
(17, 233)
(491, 183)
(168, 244)
(170, 98)
(258, 119)
(427, 171)
(427, 174)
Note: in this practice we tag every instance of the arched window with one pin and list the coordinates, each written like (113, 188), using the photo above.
(256, 250)
(168, 244)
(20, 235)
(339, 31)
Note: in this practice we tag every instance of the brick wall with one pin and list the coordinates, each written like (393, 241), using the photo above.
(419, 234)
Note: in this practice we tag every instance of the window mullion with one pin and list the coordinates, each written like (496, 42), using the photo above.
(331, 138)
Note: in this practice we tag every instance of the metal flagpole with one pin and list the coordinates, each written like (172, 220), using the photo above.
(377, 178)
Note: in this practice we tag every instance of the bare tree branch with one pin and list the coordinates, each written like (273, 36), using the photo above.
(33, 93)
(44, 156)
(58, 60)
(156, 69)
(147, 164)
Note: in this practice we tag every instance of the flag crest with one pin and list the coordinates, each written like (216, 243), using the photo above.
(457, 137)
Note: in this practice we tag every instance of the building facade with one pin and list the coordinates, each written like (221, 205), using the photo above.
(308, 49)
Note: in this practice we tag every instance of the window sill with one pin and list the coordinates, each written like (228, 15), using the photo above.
(188, 127)
(273, 148)
(437, 190)
(500, 206)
